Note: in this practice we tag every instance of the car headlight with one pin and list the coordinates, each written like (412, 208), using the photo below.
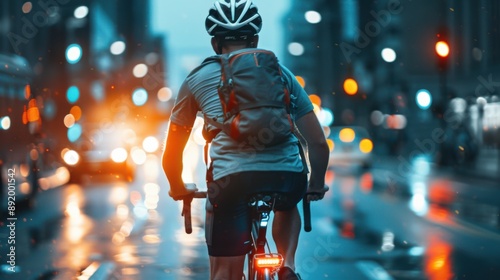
(71, 157)
(119, 155)
(150, 144)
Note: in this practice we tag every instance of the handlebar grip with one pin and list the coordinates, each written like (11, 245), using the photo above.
(186, 212)
(306, 205)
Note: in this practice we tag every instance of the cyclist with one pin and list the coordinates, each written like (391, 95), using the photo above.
(236, 172)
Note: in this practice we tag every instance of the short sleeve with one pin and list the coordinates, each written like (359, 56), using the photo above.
(185, 107)
(299, 98)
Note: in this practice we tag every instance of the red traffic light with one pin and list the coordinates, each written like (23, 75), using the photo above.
(442, 49)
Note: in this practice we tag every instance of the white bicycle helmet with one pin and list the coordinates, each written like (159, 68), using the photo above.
(233, 19)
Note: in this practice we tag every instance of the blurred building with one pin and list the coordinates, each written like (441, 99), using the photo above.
(404, 89)
(88, 61)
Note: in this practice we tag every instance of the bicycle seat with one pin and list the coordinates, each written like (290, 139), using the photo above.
(264, 200)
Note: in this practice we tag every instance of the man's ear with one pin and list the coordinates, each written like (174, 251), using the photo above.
(215, 45)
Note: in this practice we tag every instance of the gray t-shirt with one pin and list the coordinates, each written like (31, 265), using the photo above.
(199, 93)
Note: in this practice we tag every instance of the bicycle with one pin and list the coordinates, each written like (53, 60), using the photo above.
(262, 264)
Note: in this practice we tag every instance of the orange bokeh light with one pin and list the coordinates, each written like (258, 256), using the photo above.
(366, 146)
(301, 81)
(76, 111)
(350, 86)
(347, 135)
(27, 92)
(315, 99)
(331, 144)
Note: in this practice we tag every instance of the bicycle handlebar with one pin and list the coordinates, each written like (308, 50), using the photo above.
(306, 206)
(186, 211)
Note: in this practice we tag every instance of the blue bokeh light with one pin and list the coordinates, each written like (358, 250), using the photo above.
(73, 94)
(139, 97)
(74, 132)
(73, 53)
(424, 99)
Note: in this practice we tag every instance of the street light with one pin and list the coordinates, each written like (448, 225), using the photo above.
(388, 55)
(424, 99)
(73, 53)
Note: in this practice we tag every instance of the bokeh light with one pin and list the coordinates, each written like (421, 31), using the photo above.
(315, 99)
(119, 155)
(138, 155)
(73, 53)
(71, 157)
(140, 97)
(140, 70)
(164, 94)
(74, 132)
(377, 118)
(81, 12)
(350, 86)
(150, 144)
(296, 49)
(27, 7)
(424, 99)
(388, 55)
(366, 146)
(76, 111)
(73, 94)
(442, 49)
(347, 135)
(117, 47)
(325, 117)
(313, 17)
(5, 123)
(69, 120)
(301, 81)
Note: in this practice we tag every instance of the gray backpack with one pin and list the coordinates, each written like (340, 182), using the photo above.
(255, 98)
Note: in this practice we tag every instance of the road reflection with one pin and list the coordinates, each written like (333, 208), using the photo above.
(417, 225)
(437, 259)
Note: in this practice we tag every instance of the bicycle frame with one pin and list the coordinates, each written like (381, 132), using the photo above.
(262, 265)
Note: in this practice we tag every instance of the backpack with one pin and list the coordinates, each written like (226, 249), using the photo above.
(254, 97)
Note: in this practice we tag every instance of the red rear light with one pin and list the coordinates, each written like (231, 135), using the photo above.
(268, 260)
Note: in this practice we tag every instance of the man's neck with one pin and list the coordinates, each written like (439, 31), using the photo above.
(232, 48)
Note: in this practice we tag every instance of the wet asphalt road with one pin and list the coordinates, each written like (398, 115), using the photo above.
(373, 224)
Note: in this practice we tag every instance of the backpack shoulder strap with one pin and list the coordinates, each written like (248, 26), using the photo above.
(211, 59)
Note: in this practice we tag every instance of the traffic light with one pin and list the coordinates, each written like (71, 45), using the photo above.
(442, 48)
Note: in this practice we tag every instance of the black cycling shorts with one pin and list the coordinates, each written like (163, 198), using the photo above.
(228, 220)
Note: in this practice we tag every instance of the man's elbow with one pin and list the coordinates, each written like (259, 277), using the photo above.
(319, 146)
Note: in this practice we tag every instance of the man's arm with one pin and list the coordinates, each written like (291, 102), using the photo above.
(318, 151)
(172, 159)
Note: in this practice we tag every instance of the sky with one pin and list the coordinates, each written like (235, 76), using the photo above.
(183, 24)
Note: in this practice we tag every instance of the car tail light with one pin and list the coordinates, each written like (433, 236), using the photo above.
(366, 146)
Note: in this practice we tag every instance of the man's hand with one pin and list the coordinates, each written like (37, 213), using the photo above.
(314, 194)
(180, 193)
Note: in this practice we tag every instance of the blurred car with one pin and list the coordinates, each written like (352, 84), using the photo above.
(350, 146)
(103, 151)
